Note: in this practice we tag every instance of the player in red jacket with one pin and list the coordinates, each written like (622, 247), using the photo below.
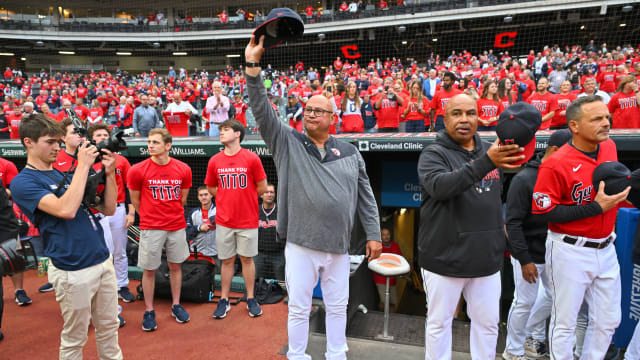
(580, 257)
(234, 176)
(159, 187)
(545, 102)
(623, 105)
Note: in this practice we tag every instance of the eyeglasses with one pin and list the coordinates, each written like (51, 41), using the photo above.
(316, 112)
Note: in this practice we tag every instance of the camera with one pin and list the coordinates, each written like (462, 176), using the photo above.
(94, 190)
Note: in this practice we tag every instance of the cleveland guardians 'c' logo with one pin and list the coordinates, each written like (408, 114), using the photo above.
(542, 200)
(580, 195)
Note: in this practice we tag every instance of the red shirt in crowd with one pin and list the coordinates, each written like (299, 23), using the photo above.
(607, 81)
(545, 104)
(624, 111)
(441, 98)
(160, 189)
(241, 112)
(487, 109)
(563, 101)
(236, 177)
(8, 171)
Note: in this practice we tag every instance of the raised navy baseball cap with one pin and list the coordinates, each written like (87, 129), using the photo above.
(615, 175)
(518, 124)
(282, 24)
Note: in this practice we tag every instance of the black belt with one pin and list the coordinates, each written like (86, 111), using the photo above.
(589, 244)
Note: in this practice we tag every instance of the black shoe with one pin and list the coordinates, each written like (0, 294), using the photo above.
(149, 321)
(612, 353)
(21, 298)
(122, 321)
(126, 295)
(46, 288)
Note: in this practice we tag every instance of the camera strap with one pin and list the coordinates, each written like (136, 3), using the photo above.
(57, 193)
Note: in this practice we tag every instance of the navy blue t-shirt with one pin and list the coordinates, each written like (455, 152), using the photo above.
(70, 244)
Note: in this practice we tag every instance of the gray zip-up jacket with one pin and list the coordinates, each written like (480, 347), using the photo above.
(318, 198)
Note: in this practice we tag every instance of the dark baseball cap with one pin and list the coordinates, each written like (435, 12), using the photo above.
(518, 124)
(559, 138)
(282, 24)
(615, 175)
(634, 194)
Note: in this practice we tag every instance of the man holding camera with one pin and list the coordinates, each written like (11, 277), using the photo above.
(122, 220)
(388, 105)
(80, 269)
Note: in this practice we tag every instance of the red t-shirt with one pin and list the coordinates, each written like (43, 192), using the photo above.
(160, 189)
(82, 111)
(241, 112)
(392, 249)
(65, 161)
(414, 113)
(441, 98)
(563, 102)
(624, 111)
(388, 114)
(236, 177)
(8, 171)
(545, 104)
(14, 125)
(566, 179)
(94, 113)
(607, 81)
(487, 108)
(82, 92)
(122, 170)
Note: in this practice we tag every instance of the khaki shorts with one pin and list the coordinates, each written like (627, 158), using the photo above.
(232, 242)
(153, 241)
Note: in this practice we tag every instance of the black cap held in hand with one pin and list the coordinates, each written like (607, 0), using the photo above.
(615, 175)
(282, 24)
(518, 124)
(634, 194)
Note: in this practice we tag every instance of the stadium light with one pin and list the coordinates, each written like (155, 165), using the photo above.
(508, 19)
(23, 58)
(233, 55)
(66, 52)
(623, 25)
(39, 43)
(321, 36)
(582, 27)
(434, 39)
(179, 53)
(7, 54)
(404, 42)
(627, 8)
(402, 29)
(123, 53)
(156, 44)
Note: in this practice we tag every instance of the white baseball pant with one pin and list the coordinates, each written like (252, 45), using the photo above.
(633, 349)
(108, 239)
(119, 249)
(521, 314)
(579, 273)
(483, 307)
(303, 268)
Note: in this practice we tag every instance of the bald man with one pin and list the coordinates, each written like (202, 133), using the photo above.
(322, 184)
(182, 106)
(218, 109)
(461, 238)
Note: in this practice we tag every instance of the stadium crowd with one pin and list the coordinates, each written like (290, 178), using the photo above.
(382, 95)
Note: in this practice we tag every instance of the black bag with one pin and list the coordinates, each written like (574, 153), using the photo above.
(197, 280)
(268, 292)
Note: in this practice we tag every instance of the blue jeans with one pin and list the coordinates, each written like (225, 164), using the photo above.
(486, 128)
(415, 126)
(439, 123)
(213, 130)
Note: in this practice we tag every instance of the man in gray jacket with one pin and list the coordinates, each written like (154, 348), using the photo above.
(326, 180)
(145, 118)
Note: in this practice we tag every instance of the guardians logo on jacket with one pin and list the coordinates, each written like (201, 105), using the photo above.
(486, 184)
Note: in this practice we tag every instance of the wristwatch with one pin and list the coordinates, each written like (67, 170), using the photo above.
(251, 64)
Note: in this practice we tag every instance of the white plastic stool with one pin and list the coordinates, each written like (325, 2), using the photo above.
(388, 265)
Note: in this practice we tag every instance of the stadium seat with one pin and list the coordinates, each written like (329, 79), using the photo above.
(388, 265)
